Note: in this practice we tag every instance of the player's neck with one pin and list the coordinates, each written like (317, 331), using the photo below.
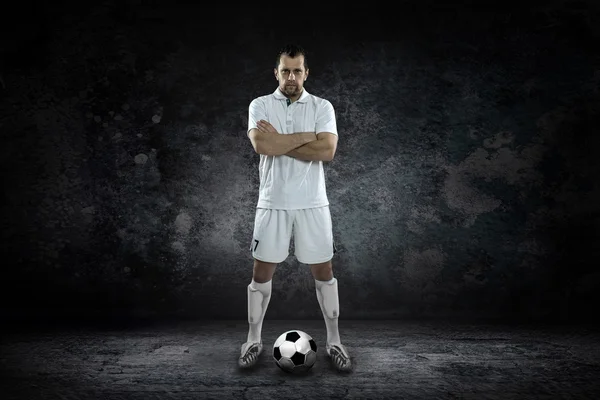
(292, 99)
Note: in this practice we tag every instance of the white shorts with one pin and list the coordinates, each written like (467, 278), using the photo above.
(311, 229)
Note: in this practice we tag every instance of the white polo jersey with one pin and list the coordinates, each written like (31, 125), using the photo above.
(287, 183)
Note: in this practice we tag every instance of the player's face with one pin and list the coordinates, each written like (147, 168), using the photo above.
(291, 75)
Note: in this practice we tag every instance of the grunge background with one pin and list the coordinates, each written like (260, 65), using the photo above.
(465, 182)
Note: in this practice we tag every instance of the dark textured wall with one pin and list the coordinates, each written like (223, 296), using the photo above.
(465, 181)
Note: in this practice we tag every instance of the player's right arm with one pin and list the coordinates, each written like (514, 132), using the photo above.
(271, 142)
(277, 144)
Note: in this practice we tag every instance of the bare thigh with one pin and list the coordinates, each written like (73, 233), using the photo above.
(263, 271)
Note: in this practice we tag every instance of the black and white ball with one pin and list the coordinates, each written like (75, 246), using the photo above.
(295, 351)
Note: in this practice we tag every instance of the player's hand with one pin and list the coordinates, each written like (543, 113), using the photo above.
(265, 126)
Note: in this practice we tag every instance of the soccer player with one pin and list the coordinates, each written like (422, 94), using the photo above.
(294, 132)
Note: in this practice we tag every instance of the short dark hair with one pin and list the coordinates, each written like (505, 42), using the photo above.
(291, 50)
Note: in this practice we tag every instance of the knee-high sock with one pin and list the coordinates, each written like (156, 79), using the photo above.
(327, 295)
(259, 295)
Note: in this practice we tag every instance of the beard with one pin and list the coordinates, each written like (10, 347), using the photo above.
(291, 89)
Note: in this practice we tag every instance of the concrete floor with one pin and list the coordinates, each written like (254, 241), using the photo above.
(393, 360)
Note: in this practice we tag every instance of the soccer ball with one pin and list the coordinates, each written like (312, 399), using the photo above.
(295, 351)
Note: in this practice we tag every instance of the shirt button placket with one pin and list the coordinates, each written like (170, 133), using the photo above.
(289, 119)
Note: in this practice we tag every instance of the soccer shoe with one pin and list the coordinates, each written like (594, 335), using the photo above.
(249, 354)
(339, 356)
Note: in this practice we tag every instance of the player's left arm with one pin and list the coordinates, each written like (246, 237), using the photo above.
(324, 148)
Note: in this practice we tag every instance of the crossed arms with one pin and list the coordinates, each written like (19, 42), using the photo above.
(307, 146)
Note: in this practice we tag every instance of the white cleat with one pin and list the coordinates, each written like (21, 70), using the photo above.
(249, 354)
(339, 356)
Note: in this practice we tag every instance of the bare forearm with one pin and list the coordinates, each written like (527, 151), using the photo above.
(318, 150)
(277, 144)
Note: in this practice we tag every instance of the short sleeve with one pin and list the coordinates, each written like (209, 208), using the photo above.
(256, 112)
(326, 119)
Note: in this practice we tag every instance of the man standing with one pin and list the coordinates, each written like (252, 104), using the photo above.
(294, 132)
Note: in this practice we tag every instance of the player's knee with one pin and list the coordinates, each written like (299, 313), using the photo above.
(323, 271)
(263, 271)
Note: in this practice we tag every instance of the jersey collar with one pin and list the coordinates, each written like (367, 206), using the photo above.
(302, 99)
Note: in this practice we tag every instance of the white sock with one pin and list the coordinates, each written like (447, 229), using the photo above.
(259, 295)
(327, 292)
